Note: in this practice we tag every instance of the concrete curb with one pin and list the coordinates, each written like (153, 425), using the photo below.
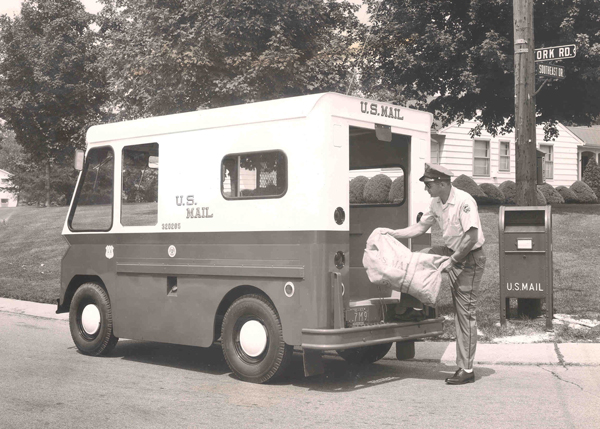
(35, 309)
(565, 354)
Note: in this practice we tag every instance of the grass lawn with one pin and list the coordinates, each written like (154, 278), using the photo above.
(576, 259)
(31, 248)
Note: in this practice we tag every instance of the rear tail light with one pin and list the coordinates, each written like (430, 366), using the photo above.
(339, 260)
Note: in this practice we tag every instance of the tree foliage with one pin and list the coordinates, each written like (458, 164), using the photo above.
(11, 153)
(28, 180)
(50, 86)
(591, 176)
(168, 56)
(456, 59)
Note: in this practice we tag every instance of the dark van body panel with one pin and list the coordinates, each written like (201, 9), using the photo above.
(139, 278)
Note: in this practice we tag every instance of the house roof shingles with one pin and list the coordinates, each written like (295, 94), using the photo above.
(589, 135)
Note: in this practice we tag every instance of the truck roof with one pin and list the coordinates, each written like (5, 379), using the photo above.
(272, 110)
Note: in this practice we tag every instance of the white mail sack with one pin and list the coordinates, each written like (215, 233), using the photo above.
(389, 262)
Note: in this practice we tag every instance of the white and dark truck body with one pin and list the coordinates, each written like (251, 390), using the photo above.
(235, 225)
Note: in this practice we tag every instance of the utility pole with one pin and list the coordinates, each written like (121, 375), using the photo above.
(525, 147)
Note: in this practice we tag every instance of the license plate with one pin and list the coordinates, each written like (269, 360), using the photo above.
(357, 315)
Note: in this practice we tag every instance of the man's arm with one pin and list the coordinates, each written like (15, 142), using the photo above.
(409, 232)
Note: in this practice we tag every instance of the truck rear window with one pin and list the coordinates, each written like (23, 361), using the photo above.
(377, 186)
(254, 175)
(92, 209)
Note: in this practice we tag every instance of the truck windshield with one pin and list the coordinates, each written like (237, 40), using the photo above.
(92, 207)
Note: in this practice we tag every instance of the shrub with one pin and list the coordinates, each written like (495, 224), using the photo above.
(494, 195)
(583, 193)
(567, 194)
(552, 196)
(397, 190)
(541, 200)
(465, 183)
(591, 176)
(377, 189)
(509, 189)
(357, 188)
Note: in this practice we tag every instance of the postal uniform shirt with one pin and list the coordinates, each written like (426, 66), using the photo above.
(456, 217)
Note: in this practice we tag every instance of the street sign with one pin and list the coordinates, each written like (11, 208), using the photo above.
(550, 71)
(555, 53)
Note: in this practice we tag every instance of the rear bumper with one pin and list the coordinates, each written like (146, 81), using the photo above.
(347, 338)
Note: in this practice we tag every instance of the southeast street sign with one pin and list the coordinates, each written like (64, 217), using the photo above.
(555, 53)
(550, 71)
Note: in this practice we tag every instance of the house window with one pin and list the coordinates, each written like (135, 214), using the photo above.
(435, 152)
(481, 158)
(504, 163)
(548, 160)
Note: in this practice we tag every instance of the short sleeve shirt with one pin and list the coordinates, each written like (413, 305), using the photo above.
(456, 217)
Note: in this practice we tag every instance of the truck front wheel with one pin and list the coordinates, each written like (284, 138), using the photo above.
(90, 320)
(252, 340)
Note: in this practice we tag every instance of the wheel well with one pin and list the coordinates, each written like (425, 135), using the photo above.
(74, 285)
(229, 298)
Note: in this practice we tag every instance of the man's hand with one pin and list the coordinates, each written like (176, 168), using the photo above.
(453, 269)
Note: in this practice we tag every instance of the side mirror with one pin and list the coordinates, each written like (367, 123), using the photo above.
(153, 162)
(78, 161)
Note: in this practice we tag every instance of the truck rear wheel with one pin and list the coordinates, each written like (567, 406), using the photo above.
(365, 355)
(252, 340)
(90, 320)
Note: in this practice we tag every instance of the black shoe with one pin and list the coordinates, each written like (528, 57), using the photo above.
(461, 377)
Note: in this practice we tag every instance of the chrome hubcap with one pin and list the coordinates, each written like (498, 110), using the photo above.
(90, 319)
(253, 338)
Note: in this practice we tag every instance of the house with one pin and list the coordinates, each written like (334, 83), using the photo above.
(591, 145)
(6, 198)
(489, 159)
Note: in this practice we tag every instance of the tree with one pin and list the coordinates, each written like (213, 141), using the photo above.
(11, 153)
(455, 59)
(591, 176)
(28, 181)
(51, 87)
(168, 56)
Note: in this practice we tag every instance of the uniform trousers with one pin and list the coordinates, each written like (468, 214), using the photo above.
(464, 298)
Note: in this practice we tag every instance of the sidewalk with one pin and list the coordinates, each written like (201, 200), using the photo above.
(563, 354)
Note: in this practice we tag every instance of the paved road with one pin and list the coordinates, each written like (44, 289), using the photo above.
(47, 383)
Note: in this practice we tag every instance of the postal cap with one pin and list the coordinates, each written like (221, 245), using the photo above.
(435, 172)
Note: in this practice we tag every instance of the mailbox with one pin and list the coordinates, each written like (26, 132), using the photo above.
(525, 240)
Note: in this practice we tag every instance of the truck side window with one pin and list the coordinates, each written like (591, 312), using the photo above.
(139, 196)
(377, 186)
(92, 208)
(254, 175)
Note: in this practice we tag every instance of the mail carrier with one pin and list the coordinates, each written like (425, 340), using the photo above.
(241, 226)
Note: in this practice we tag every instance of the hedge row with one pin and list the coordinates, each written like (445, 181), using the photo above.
(379, 189)
(486, 193)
